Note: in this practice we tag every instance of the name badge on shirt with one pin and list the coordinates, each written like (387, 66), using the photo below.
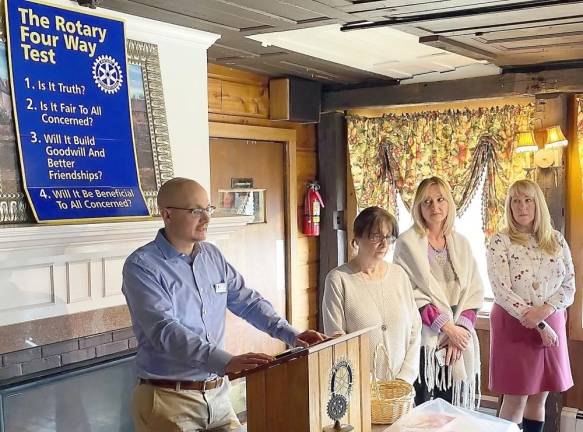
(220, 288)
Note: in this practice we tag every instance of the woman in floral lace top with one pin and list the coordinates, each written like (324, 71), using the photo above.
(532, 277)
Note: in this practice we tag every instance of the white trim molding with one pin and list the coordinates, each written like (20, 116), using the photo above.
(48, 271)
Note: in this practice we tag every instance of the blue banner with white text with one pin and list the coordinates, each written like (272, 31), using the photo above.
(72, 108)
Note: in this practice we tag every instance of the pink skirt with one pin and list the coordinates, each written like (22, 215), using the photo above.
(519, 363)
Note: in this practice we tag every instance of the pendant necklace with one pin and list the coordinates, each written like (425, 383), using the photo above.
(379, 287)
(535, 268)
(439, 255)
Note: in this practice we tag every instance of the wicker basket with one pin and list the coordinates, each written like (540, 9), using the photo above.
(390, 398)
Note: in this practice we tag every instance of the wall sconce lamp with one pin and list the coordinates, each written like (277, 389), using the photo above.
(545, 157)
(555, 138)
(526, 142)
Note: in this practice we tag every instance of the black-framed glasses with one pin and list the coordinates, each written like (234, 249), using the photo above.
(377, 238)
(198, 211)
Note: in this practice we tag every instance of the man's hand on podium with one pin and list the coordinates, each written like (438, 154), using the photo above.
(247, 361)
(309, 337)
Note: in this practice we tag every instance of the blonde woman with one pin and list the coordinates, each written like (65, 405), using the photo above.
(448, 292)
(532, 276)
(368, 292)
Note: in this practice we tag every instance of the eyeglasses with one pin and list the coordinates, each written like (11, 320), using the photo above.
(377, 238)
(199, 211)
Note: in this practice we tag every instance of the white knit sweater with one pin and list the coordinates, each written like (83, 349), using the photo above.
(352, 302)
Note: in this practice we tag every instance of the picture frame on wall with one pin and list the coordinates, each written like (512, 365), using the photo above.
(242, 202)
(149, 124)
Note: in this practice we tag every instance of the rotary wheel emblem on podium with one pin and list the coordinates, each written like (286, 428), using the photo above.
(340, 388)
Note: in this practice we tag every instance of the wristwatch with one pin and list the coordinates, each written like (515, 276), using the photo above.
(541, 325)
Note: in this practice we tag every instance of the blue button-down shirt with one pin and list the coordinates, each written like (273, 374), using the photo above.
(178, 307)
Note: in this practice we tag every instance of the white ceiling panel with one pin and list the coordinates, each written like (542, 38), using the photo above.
(382, 50)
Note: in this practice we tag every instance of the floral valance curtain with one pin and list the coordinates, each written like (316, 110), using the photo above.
(390, 155)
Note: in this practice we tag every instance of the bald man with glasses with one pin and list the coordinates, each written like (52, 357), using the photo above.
(178, 288)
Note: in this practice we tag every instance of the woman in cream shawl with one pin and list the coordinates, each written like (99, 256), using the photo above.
(448, 292)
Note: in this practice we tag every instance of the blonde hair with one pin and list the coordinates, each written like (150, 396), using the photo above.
(419, 222)
(542, 227)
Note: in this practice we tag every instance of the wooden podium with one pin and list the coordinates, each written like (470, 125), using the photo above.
(293, 393)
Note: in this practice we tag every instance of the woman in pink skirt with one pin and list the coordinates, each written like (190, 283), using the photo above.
(531, 273)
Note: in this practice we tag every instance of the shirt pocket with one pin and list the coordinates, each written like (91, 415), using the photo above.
(217, 289)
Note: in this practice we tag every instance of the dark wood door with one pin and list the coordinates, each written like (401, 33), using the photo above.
(262, 260)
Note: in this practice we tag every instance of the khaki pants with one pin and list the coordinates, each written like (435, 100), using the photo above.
(157, 409)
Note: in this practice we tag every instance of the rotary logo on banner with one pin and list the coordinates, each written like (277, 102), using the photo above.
(72, 111)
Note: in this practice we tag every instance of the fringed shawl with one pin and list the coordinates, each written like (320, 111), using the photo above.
(464, 374)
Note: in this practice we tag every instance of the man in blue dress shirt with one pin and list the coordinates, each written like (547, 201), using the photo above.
(178, 289)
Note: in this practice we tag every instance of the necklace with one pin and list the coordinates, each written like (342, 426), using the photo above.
(380, 303)
(536, 264)
(438, 255)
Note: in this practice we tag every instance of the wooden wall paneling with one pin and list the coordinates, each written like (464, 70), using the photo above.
(307, 170)
(306, 137)
(215, 95)
(233, 92)
(304, 299)
(307, 165)
(308, 250)
(224, 73)
(244, 99)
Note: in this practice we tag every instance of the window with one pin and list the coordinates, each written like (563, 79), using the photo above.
(469, 225)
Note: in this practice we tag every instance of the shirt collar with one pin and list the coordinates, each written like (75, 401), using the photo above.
(168, 250)
(165, 246)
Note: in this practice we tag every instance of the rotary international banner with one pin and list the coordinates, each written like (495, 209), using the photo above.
(72, 111)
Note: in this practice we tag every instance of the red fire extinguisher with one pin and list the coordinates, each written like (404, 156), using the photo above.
(312, 204)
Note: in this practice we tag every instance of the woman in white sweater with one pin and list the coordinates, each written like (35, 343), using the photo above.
(448, 292)
(368, 291)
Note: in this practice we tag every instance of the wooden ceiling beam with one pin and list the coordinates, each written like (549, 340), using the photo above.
(505, 85)
(457, 47)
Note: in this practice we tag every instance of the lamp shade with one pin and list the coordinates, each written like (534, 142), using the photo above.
(555, 138)
(526, 142)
